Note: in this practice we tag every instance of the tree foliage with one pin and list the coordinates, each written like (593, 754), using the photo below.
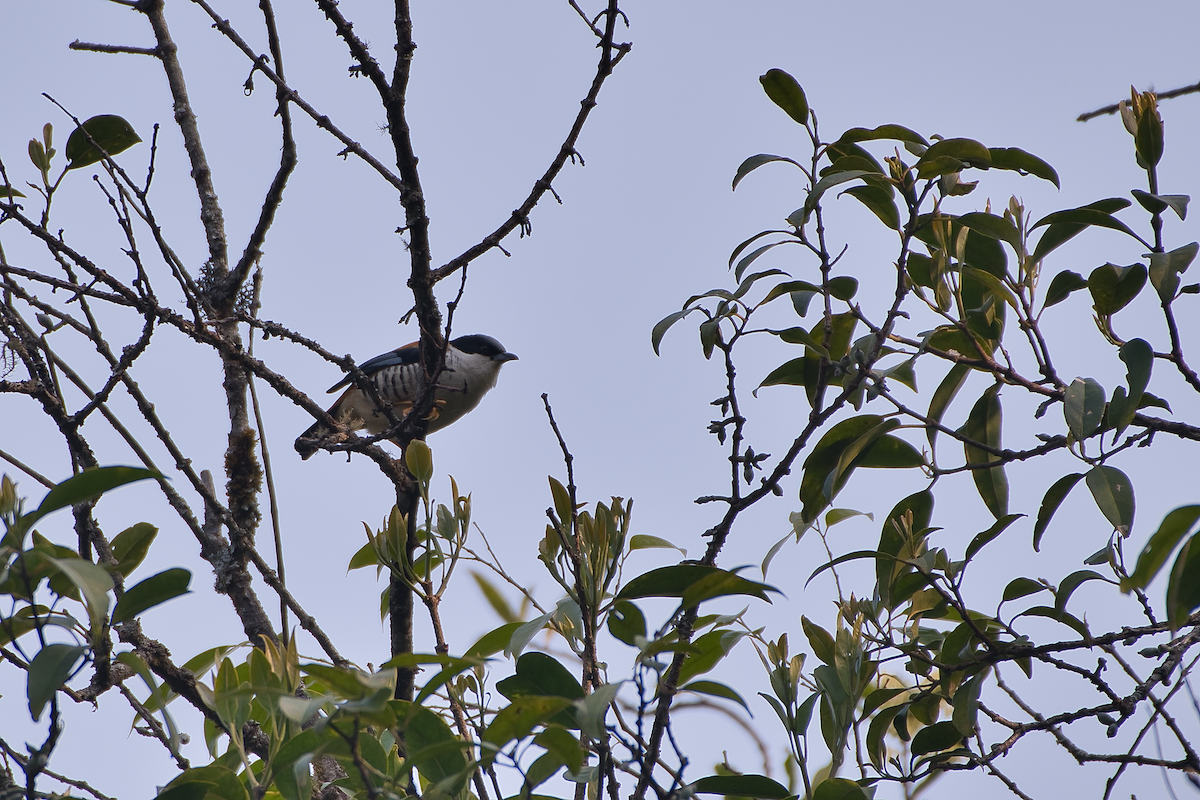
(907, 682)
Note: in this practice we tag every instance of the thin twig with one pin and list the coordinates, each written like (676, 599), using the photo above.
(1115, 107)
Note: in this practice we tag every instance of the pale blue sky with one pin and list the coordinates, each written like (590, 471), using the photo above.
(649, 221)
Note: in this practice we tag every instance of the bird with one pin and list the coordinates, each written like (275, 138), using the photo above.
(473, 364)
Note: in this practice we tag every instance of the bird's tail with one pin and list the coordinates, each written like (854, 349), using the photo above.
(306, 443)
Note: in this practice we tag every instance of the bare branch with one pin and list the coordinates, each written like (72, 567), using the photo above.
(1112, 109)
(113, 48)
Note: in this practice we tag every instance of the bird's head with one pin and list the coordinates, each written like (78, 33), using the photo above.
(481, 345)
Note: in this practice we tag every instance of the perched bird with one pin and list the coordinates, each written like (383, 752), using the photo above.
(472, 366)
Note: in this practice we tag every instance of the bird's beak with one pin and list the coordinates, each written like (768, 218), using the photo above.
(505, 357)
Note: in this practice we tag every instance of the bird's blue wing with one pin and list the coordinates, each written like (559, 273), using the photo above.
(401, 356)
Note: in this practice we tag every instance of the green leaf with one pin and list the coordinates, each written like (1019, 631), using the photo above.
(1149, 138)
(524, 634)
(108, 131)
(345, 682)
(213, 781)
(723, 584)
(1165, 269)
(878, 697)
(1083, 407)
(741, 247)
(493, 641)
(853, 453)
(822, 186)
(432, 746)
(943, 396)
(664, 324)
(563, 745)
(940, 166)
(641, 541)
(824, 458)
(744, 263)
(518, 719)
(709, 649)
(87, 485)
(879, 202)
(9, 192)
(626, 622)
(538, 674)
(839, 789)
(186, 790)
(1017, 160)
(819, 639)
(893, 545)
(157, 701)
(843, 288)
(952, 340)
(31, 618)
(1183, 589)
(855, 555)
(715, 689)
(790, 373)
(935, 738)
(1063, 284)
(801, 336)
(970, 152)
(49, 668)
(849, 153)
(1158, 203)
(419, 460)
(960, 643)
(1071, 621)
(708, 335)
(993, 284)
(291, 765)
(693, 582)
(1113, 287)
(786, 93)
(1154, 401)
(543, 768)
(1161, 544)
(983, 538)
(151, 592)
(836, 515)
(804, 714)
(37, 156)
(966, 705)
(993, 226)
(896, 132)
(747, 284)
(591, 710)
(562, 500)
(1021, 587)
(1063, 229)
(756, 786)
(984, 425)
(982, 252)
(495, 598)
(1086, 216)
(94, 583)
(1138, 356)
(1114, 496)
(876, 733)
(130, 546)
(792, 289)
(1050, 503)
(754, 162)
(1072, 582)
